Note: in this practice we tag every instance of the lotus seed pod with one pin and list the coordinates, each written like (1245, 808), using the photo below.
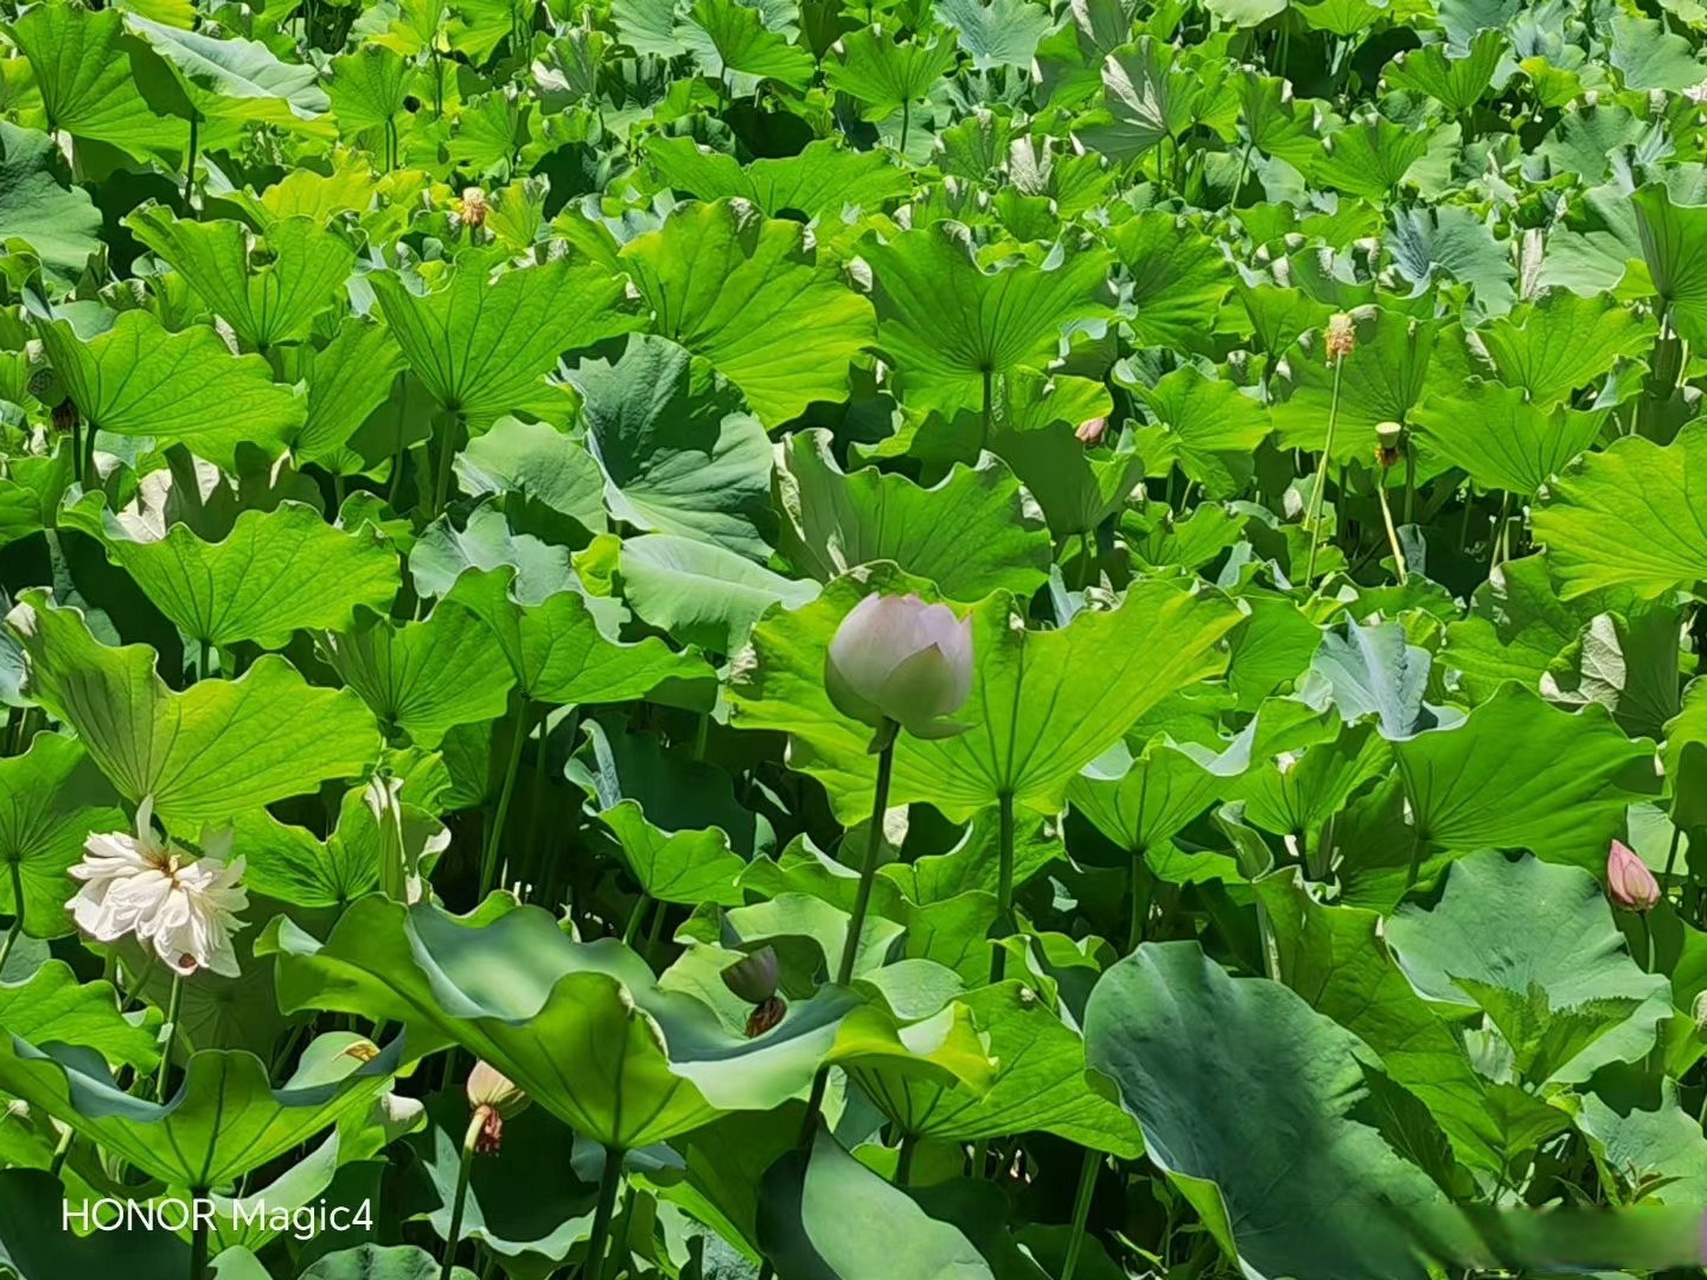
(753, 977)
(896, 660)
(1628, 879)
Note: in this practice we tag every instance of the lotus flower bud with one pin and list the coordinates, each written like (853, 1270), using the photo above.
(1091, 432)
(1341, 337)
(493, 1098)
(753, 977)
(896, 660)
(1628, 879)
(474, 207)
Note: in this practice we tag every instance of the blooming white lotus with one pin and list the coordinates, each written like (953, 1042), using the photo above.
(897, 659)
(183, 906)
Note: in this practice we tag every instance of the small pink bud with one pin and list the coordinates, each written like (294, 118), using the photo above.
(1628, 879)
(1091, 433)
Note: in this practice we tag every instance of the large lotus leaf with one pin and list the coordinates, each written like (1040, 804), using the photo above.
(226, 1118)
(1001, 33)
(1628, 517)
(1673, 238)
(486, 541)
(549, 473)
(380, 1262)
(1369, 158)
(1314, 1196)
(681, 831)
(702, 594)
(1040, 1083)
(1563, 795)
(815, 1214)
(968, 533)
(52, 1007)
(1641, 1132)
(1179, 278)
(1336, 958)
(1151, 95)
(748, 294)
(1457, 83)
(51, 798)
(1141, 801)
(1380, 381)
(480, 343)
(1040, 708)
(557, 650)
(1516, 629)
(1207, 425)
(137, 379)
(1568, 950)
(369, 88)
(584, 1028)
(1500, 438)
(679, 451)
(217, 749)
(59, 224)
(1373, 672)
(292, 865)
(950, 326)
(1452, 241)
(304, 273)
(274, 572)
(348, 379)
(234, 79)
(83, 72)
(1076, 489)
(415, 675)
(34, 1245)
(823, 179)
(1555, 346)
(729, 36)
(885, 74)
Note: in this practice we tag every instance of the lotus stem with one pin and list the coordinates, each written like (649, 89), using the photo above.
(1315, 520)
(1004, 882)
(989, 407)
(168, 1035)
(447, 450)
(15, 866)
(1416, 859)
(609, 1185)
(1140, 904)
(190, 164)
(1392, 533)
(904, 1158)
(489, 860)
(198, 1242)
(1081, 1212)
(470, 1141)
(1671, 857)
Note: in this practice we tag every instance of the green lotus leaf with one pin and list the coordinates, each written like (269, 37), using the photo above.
(1374, 672)
(1627, 518)
(1673, 234)
(56, 222)
(749, 295)
(1638, 1127)
(1456, 83)
(51, 799)
(291, 864)
(381, 1262)
(52, 1007)
(1380, 381)
(1179, 279)
(480, 343)
(225, 1120)
(414, 675)
(1040, 709)
(1040, 1083)
(137, 379)
(950, 326)
(1461, 950)
(368, 88)
(679, 452)
(274, 573)
(1141, 801)
(1501, 439)
(1516, 629)
(1153, 92)
(1175, 1033)
(1076, 489)
(822, 179)
(542, 471)
(728, 36)
(217, 749)
(84, 73)
(1206, 425)
(264, 305)
(583, 1028)
(557, 650)
(702, 594)
(1554, 346)
(1650, 56)
(233, 79)
(812, 1211)
(884, 74)
(1002, 33)
(348, 379)
(1370, 158)
(1452, 241)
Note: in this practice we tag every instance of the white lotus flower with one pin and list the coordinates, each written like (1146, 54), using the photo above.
(898, 659)
(183, 906)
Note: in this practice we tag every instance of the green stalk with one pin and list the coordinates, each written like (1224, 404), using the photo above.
(1140, 904)
(447, 450)
(15, 866)
(1081, 1213)
(198, 1241)
(1004, 882)
(1671, 857)
(906, 119)
(1315, 518)
(989, 407)
(190, 162)
(469, 1140)
(169, 1035)
(1392, 533)
(609, 1185)
(904, 1159)
(489, 860)
(1416, 859)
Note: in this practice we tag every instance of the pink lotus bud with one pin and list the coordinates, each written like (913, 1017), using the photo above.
(1628, 879)
(753, 977)
(492, 1097)
(898, 660)
(1091, 433)
(1341, 339)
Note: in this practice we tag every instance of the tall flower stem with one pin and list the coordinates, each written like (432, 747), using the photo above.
(597, 1243)
(1081, 1212)
(1392, 533)
(169, 1036)
(1315, 520)
(1671, 857)
(494, 837)
(469, 1141)
(862, 903)
(16, 868)
(1004, 882)
(199, 1242)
